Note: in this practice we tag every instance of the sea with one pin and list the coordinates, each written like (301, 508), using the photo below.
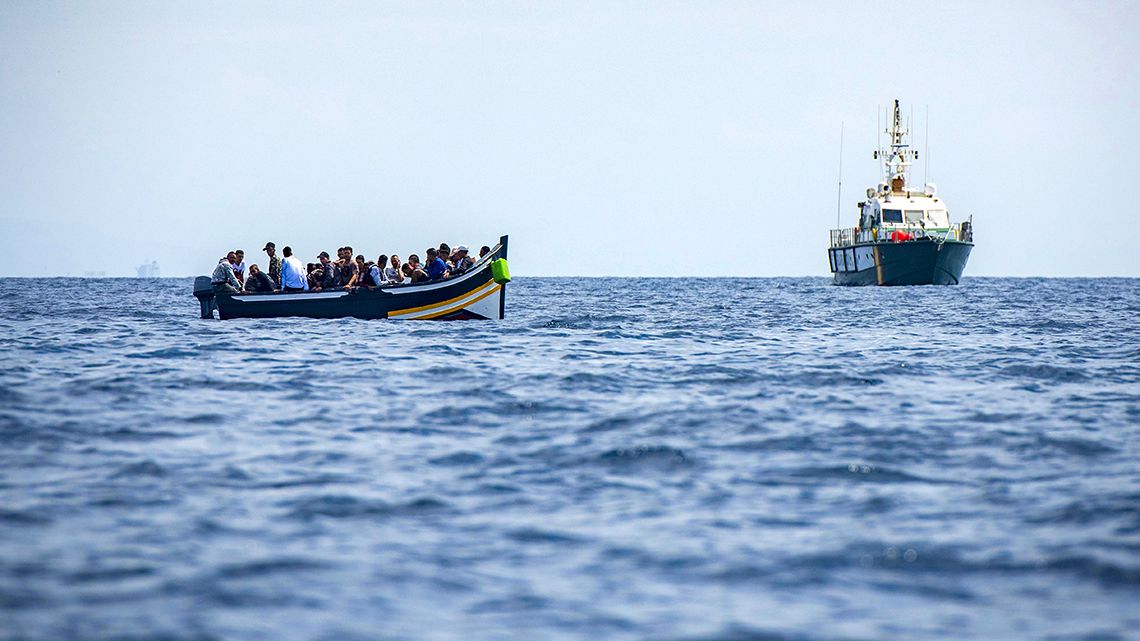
(771, 459)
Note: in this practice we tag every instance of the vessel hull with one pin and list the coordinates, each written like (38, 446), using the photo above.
(918, 262)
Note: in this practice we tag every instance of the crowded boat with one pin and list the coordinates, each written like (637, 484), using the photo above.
(287, 273)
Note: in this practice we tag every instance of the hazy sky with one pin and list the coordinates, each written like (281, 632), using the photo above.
(610, 138)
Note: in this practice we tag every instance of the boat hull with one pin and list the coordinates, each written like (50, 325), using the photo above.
(472, 295)
(916, 262)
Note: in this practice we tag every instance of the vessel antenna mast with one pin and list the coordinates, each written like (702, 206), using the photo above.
(926, 160)
(839, 191)
(879, 137)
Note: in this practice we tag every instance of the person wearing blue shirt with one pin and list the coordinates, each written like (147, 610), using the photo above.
(436, 268)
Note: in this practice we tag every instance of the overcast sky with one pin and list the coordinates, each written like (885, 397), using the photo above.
(610, 138)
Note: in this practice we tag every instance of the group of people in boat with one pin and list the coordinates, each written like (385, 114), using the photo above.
(288, 274)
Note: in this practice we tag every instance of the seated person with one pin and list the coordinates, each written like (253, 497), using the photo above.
(258, 281)
(361, 266)
(376, 271)
(483, 251)
(436, 268)
(330, 273)
(462, 261)
(371, 276)
(349, 269)
(239, 267)
(414, 271)
(315, 274)
(444, 253)
(223, 278)
(392, 272)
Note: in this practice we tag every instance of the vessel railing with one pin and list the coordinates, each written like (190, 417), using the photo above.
(963, 231)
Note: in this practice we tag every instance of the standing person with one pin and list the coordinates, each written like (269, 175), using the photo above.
(462, 261)
(292, 273)
(274, 264)
(239, 266)
(392, 273)
(436, 268)
(258, 280)
(223, 278)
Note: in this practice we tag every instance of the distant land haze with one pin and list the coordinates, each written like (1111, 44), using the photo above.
(622, 139)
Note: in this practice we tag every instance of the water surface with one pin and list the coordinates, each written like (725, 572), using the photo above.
(772, 459)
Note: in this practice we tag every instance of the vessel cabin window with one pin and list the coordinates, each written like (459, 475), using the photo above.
(892, 216)
(913, 216)
(937, 218)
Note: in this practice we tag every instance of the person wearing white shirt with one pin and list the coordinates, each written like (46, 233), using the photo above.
(293, 277)
(239, 267)
(392, 272)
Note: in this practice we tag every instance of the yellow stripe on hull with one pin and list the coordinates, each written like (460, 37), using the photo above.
(412, 310)
(448, 306)
(457, 308)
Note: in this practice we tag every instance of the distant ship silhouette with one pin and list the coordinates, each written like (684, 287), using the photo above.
(148, 270)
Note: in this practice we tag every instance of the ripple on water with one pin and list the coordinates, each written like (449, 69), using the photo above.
(618, 459)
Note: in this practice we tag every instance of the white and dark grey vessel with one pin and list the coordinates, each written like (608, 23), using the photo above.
(904, 235)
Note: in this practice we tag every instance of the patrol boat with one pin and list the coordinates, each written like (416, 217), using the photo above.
(478, 293)
(904, 236)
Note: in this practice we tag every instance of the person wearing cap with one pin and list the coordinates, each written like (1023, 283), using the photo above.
(223, 278)
(330, 273)
(274, 264)
(292, 273)
(462, 261)
(258, 280)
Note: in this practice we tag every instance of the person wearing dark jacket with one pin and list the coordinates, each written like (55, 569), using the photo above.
(274, 264)
(330, 277)
(258, 281)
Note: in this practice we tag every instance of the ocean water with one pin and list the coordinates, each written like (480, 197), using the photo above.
(770, 459)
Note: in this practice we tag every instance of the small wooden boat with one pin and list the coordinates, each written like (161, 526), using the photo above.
(478, 293)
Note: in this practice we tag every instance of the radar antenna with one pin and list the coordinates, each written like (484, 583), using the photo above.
(899, 157)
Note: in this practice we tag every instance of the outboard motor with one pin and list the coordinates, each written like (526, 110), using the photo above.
(204, 292)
